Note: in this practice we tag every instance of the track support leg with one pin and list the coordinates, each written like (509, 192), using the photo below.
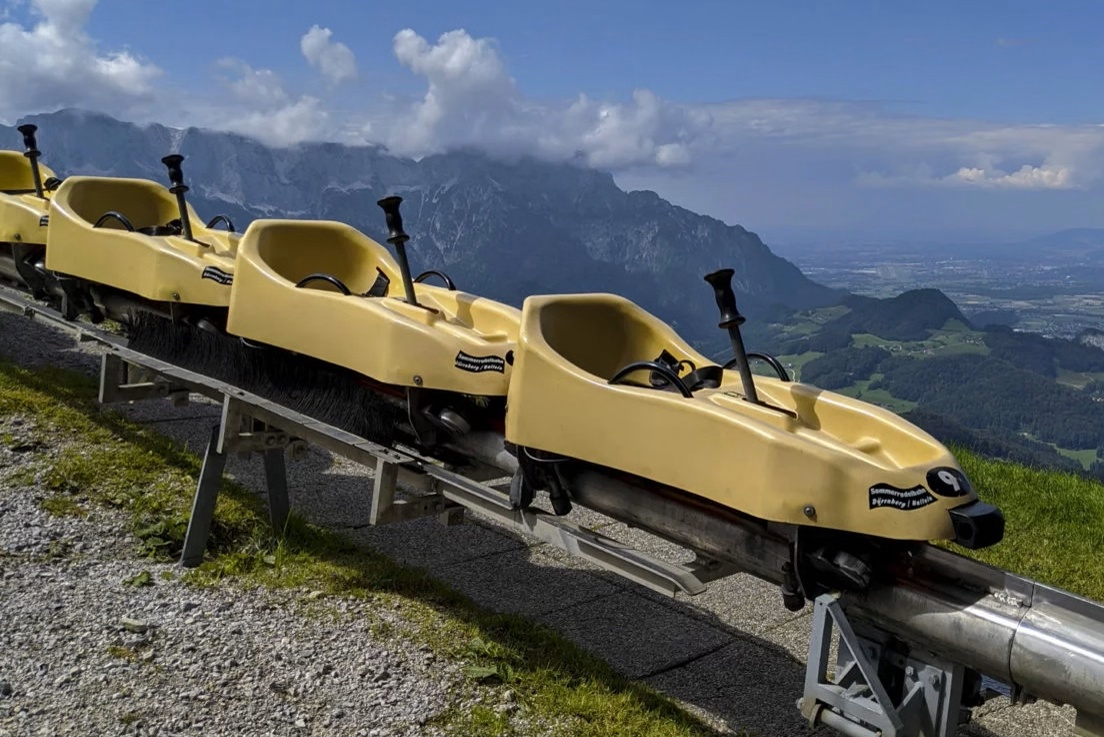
(880, 688)
(276, 481)
(203, 506)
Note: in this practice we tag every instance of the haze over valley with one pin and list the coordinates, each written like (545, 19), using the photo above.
(1051, 284)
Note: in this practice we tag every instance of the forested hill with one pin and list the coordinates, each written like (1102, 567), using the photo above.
(910, 316)
(1010, 394)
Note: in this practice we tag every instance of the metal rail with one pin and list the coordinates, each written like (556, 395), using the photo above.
(946, 613)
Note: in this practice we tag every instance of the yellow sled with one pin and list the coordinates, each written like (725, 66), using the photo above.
(325, 290)
(127, 234)
(22, 212)
(802, 455)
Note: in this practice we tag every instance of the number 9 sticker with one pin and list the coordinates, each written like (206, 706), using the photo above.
(947, 481)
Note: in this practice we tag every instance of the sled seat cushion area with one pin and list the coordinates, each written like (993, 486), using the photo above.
(602, 333)
(323, 255)
(146, 205)
(15, 173)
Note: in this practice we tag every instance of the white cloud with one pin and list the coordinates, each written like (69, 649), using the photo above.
(777, 159)
(53, 64)
(471, 100)
(333, 59)
(263, 109)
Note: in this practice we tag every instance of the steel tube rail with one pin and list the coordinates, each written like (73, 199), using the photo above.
(1040, 640)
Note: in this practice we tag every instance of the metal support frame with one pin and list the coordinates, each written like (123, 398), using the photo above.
(240, 433)
(251, 424)
(121, 381)
(856, 701)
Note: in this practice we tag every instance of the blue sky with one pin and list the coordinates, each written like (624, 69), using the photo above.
(800, 120)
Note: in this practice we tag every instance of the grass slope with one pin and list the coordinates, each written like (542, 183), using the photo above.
(1054, 523)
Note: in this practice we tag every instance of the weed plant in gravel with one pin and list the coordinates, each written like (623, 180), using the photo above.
(546, 684)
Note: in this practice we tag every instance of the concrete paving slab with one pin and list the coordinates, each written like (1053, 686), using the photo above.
(526, 581)
(742, 601)
(636, 635)
(748, 686)
(428, 544)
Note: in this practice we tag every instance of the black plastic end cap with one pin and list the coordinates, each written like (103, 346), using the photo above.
(173, 162)
(977, 525)
(721, 281)
(28, 130)
(720, 277)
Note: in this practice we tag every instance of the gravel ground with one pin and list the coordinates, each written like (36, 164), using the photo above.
(82, 652)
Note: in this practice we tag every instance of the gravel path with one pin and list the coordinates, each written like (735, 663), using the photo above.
(83, 652)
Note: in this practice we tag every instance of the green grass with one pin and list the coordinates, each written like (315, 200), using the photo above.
(63, 505)
(794, 363)
(951, 340)
(882, 398)
(1054, 523)
(1085, 457)
(1078, 379)
(107, 460)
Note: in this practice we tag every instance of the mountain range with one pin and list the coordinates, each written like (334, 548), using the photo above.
(500, 228)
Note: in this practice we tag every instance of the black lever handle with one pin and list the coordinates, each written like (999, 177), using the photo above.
(731, 320)
(397, 237)
(721, 281)
(28, 130)
(393, 218)
(176, 173)
(31, 143)
(178, 188)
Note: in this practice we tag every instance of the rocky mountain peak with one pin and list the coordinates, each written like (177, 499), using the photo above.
(505, 228)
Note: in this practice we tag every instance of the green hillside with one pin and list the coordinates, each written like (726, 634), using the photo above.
(1012, 395)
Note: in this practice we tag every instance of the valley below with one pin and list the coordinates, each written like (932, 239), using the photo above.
(997, 348)
(1056, 293)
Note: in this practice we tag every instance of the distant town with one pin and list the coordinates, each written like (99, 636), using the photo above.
(1056, 292)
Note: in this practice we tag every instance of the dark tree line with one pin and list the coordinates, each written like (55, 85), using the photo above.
(983, 392)
(842, 368)
(1042, 355)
